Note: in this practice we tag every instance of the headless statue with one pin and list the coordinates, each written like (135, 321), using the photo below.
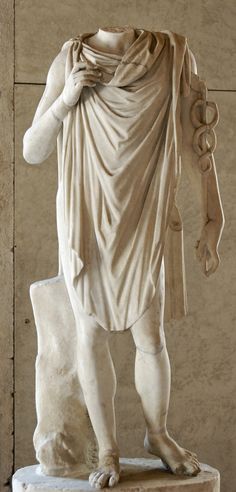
(95, 365)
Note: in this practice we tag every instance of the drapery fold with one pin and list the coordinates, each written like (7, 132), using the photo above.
(119, 153)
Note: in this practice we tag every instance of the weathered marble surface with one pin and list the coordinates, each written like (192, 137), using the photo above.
(201, 347)
(209, 26)
(6, 241)
(35, 200)
(136, 475)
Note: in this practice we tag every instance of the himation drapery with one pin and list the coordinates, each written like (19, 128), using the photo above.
(119, 160)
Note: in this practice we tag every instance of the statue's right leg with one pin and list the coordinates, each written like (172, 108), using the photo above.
(98, 381)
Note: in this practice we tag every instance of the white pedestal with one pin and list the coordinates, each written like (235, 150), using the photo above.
(137, 475)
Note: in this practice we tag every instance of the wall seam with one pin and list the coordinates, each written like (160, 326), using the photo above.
(43, 84)
(14, 221)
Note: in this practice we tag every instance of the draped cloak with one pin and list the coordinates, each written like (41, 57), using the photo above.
(119, 164)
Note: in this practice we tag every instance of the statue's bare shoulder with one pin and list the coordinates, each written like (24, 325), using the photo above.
(55, 82)
(56, 72)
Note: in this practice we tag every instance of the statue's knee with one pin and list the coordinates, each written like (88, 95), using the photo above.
(152, 345)
(152, 350)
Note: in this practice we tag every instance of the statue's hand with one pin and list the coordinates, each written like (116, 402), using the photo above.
(207, 247)
(81, 75)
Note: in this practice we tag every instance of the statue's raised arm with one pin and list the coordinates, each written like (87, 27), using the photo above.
(58, 98)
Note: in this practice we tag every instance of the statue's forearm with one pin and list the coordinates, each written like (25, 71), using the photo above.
(214, 209)
(40, 139)
(197, 153)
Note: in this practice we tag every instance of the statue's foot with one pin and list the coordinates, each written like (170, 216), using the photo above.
(178, 460)
(107, 473)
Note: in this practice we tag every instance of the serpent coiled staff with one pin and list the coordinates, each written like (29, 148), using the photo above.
(204, 138)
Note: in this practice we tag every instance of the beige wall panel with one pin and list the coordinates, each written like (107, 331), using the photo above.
(42, 26)
(6, 242)
(202, 346)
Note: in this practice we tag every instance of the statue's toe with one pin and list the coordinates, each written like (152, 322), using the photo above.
(190, 453)
(114, 479)
(100, 479)
(190, 467)
(93, 477)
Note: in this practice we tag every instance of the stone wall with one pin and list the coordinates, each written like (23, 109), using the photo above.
(6, 242)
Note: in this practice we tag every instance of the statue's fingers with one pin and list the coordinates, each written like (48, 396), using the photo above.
(77, 66)
(200, 251)
(215, 261)
(85, 76)
(204, 262)
(80, 65)
(87, 73)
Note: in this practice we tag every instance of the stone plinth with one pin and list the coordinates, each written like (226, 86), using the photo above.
(137, 475)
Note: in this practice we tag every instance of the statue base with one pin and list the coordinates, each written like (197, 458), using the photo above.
(137, 474)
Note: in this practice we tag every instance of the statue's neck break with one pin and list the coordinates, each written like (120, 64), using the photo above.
(114, 40)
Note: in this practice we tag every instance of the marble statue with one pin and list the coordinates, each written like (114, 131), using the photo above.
(127, 109)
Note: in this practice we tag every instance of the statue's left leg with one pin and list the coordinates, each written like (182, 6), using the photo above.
(152, 380)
